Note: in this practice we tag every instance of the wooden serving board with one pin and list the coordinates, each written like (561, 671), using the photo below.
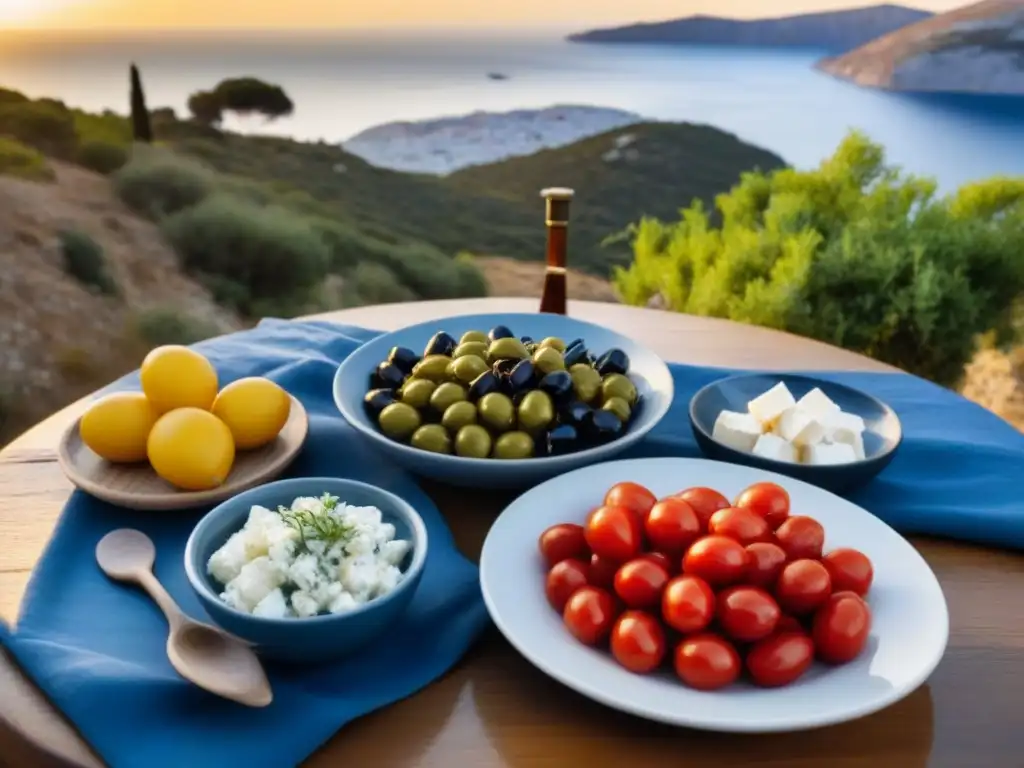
(137, 486)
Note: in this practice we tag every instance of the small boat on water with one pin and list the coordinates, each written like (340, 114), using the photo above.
(497, 76)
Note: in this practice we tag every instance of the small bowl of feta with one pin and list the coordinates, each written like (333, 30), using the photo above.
(815, 430)
(307, 569)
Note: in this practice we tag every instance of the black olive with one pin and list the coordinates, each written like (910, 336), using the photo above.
(527, 340)
(576, 353)
(601, 426)
(482, 385)
(612, 361)
(521, 376)
(561, 440)
(388, 376)
(558, 384)
(376, 400)
(574, 412)
(504, 367)
(440, 344)
(500, 332)
(403, 358)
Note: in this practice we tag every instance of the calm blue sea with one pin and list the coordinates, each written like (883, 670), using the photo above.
(343, 83)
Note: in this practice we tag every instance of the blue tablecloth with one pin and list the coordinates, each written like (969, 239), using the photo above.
(957, 474)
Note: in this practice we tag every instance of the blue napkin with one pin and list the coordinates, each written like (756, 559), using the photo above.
(957, 475)
(97, 648)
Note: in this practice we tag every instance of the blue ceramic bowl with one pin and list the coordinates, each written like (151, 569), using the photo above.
(318, 638)
(882, 435)
(647, 371)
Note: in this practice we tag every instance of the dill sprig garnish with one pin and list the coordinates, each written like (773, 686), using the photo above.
(320, 525)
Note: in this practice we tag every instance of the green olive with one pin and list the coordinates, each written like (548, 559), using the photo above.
(617, 385)
(513, 445)
(548, 360)
(433, 367)
(619, 407)
(496, 411)
(458, 416)
(536, 411)
(473, 442)
(445, 395)
(433, 438)
(466, 369)
(478, 348)
(506, 349)
(474, 336)
(399, 420)
(586, 381)
(553, 342)
(417, 392)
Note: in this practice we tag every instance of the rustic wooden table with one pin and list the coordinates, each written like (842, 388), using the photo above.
(495, 710)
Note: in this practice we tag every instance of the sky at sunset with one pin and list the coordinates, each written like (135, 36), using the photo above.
(121, 14)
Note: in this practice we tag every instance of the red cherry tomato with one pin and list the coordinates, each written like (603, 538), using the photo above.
(744, 525)
(564, 578)
(803, 586)
(633, 497)
(717, 560)
(747, 614)
(672, 526)
(801, 537)
(688, 604)
(638, 642)
(602, 572)
(706, 662)
(563, 541)
(659, 558)
(614, 533)
(851, 571)
(768, 500)
(589, 614)
(780, 659)
(841, 628)
(766, 561)
(640, 582)
(705, 502)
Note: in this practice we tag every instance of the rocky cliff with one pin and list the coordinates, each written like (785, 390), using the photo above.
(836, 31)
(975, 49)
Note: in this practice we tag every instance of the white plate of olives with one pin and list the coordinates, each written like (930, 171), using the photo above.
(502, 400)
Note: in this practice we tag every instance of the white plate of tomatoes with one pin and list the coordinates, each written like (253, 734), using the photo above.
(713, 596)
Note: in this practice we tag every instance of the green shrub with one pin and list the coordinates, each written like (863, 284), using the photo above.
(853, 253)
(371, 283)
(108, 127)
(158, 183)
(7, 96)
(23, 162)
(45, 126)
(274, 253)
(165, 325)
(101, 156)
(84, 261)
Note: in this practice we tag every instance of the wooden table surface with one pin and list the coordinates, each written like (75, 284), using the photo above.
(496, 711)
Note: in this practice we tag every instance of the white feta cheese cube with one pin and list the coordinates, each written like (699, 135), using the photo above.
(393, 552)
(843, 427)
(273, 606)
(771, 446)
(227, 562)
(768, 406)
(255, 581)
(305, 572)
(343, 603)
(817, 404)
(854, 439)
(359, 576)
(738, 431)
(304, 604)
(387, 579)
(829, 453)
(799, 427)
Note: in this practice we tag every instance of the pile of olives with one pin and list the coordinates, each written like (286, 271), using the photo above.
(492, 395)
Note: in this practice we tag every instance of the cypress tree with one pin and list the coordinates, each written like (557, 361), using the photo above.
(141, 130)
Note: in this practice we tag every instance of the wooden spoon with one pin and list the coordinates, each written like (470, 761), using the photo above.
(202, 654)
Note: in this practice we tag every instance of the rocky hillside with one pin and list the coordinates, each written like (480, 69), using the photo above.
(975, 49)
(834, 30)
(73, 316)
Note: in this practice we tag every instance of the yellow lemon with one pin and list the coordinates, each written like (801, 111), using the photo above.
(178, 377)
(191, 448)
(255, 410)
(116, 426)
